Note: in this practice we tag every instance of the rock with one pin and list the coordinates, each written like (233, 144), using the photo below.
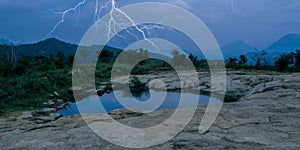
(51, 95)
(12, 119)
(60, 101)
(40, 120)
(27, 117)
(43, 112)
(22, 128)
(48, 110)
(62, 106)
(261, 119)
(55, 116)
(157, 84)
(55, 93)
(100, 92)
(101, 87)
(91, 91)
(273, 84)
(104, 84)
(49, 103)
(125, 113)
(72, 89)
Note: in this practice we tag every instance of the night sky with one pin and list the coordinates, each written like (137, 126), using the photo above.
(257, 22)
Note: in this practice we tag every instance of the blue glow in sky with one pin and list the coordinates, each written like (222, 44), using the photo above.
(258, 22)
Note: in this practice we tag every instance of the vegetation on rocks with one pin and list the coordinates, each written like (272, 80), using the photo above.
(26, 81)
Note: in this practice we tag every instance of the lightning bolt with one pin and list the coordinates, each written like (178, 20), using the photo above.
(231, 4)
(113, 24)
(63, 15)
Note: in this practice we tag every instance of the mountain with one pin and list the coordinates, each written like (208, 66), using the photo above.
(47, 47)
(285, 44)
(235, 49)
(5, 41)
(51, 46)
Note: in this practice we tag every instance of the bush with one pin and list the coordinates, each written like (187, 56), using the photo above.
(29, 87)
(138, 85)
(230, 99)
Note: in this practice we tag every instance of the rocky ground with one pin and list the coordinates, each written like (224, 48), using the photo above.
(267, 116)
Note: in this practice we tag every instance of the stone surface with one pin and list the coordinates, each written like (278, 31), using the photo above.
(267, 116)
(12, 119)
(125, 113)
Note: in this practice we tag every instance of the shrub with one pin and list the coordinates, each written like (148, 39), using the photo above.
(230, 98)
(138, 85)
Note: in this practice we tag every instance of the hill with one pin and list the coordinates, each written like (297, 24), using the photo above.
(5, 41)
(285, 44)
(50, 47)
(47, 47)
(235, 49)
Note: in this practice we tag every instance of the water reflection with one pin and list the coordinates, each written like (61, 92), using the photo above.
(109, 102)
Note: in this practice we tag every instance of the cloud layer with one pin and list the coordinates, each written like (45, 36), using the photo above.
(256, 22)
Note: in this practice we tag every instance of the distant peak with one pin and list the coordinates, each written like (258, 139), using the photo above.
(290, 36)
(53, 39)
(5, 41)
(287, 43)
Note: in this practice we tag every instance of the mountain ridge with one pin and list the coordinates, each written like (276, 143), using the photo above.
(50, 46)
(287, 43)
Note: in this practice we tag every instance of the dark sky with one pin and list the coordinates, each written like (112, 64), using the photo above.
(257, 22)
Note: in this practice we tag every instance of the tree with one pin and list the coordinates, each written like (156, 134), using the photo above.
(179, 59)
(71, 59)
(59, 62)
(106, 56)
(232, 62)
(193, 58)
(297, 58)
(197, 63)
(284, 61)
(258, 58)
(132, 57)
(4, 68)
(9, 52)
(243, 60)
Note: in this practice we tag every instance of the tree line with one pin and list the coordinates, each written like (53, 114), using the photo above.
(27, 81)
(287, 62)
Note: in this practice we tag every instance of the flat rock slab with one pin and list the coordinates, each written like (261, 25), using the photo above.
(262, 119)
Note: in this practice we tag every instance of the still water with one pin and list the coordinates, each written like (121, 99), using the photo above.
(160, 100)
